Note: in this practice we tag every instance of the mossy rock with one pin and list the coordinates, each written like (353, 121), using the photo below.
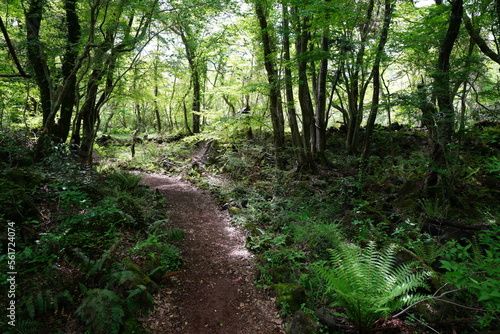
(303, 323)
(233, 211)
(251, 228)
(23, 178)
(144, 279)
(290, 295)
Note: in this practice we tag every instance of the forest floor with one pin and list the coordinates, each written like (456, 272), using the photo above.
(214, 292)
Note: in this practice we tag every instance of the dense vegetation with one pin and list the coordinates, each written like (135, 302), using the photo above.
(375, 204)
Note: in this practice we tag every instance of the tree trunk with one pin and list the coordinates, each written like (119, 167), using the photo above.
(290, 100)
(376, 78)
(320, 112)
(442, 131)
(196, 107)
(356, 89)
(305, 101)
(69, 61)
(36, 58)
(274, 88)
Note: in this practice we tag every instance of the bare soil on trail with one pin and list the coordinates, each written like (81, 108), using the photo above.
(214, 292)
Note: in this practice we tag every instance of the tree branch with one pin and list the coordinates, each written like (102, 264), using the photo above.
(12, 52)
(481, 43)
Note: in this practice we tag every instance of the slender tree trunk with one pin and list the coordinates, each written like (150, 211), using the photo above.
(89, 114)
(320, 112)
(376, 78)
(442, 131)
(274, 88)
(305, 101)
(69, 61)
(196, 107)
(156, 94)
(36, 58)
(356, 88)
(290, 100)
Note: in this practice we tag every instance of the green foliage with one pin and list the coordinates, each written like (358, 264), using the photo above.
(426, 251)
(161, 256)
(475, 267)
(94, 229)
(43, 303)
(124, 180)
(102, 311)
(369, 285)
(493, 166)
(434, 208)
(318, 238)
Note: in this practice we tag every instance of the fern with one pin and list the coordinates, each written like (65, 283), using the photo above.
(125, 180)
(369, 285)
(123, 277)
(25, 326)
(102, 311)
(46, 302)
(139, 299)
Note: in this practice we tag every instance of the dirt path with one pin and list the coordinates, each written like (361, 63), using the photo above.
(215, 291)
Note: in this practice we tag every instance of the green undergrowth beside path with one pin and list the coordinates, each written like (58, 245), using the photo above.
(437, 259)
(356, 246)
(88, 248)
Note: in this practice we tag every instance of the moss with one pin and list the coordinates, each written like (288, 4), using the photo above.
(290, 295)
(144, 279)
(235, 211)
(23, 177)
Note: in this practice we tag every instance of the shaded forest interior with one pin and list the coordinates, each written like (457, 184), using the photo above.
(355, 142)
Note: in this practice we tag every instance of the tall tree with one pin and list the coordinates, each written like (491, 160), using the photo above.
(275, 102)
(443, 116)
(297, 139)
(388, 10)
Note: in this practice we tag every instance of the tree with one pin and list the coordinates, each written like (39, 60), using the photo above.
(388, 10)
(443, 116)
(275, 102)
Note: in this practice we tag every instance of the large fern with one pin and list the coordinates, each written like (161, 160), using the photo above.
(102, 311)
(369, 285)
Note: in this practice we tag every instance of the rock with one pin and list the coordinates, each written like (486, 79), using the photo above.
(326, 318)
(143, 278)
(233, 210)
(290, 294)
(303, 323)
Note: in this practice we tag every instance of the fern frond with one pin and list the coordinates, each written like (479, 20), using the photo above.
(369, 285)
(139, 298)
(101, 311)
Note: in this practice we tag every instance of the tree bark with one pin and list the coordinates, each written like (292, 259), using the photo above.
(276, 108)
(69, 62)
(290, 100)
(34, 16)
(305, 101)
(320, 111)
(388, 9)
(442, 131)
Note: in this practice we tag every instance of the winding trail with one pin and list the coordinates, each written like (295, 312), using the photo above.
(214, 293)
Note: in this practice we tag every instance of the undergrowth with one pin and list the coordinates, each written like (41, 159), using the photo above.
(295, 220)
(77, 235)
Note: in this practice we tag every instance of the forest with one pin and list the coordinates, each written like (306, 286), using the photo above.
(355, 142)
